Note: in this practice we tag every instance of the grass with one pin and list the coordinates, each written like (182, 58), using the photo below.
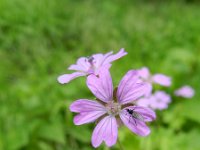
(40, 39)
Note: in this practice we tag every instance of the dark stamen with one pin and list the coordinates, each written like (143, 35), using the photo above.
(91, 59)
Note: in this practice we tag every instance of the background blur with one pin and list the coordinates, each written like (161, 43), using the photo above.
(40, 39)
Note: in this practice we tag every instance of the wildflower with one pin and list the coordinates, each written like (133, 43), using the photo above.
(185, 91)
(160, 79)
(113, 106)
(90, 65)
(159, 100)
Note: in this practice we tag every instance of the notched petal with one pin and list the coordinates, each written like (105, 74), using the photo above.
(101, 86)
(162, 79)
(135, 125)
(106, 130)
(85, 105)
(129, 89)
(108, 58)
(147, 113)
(87, 117)
(66, 78)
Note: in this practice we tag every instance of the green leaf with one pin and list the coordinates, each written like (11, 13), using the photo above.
(53, 131)
(80, 133)
(44, 146)
(190, 109)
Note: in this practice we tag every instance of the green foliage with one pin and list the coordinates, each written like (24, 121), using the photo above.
(40, 39)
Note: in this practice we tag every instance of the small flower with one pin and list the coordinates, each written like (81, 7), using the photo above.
(185, 91)
(113, 106)
(160, 79)
(159, 100)
(90, 65)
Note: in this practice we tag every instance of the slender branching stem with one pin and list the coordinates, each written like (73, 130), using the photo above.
(120, 144)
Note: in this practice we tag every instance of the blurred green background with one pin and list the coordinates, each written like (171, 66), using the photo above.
(40, 39)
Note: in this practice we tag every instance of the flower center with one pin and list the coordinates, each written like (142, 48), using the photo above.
(92, 68)
(113, 108)
(91, 60)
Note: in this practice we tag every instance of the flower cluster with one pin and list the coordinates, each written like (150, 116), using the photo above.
(112, 107)
(159, 99)
(131, 103)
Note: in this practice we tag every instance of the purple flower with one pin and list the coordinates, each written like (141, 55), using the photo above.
(159, 100)
(144, 101)
(160, 79)
(185, 91)
(112, 107)
(90, 65)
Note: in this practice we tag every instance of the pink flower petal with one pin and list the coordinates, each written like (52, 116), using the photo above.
(87, 117)
(100, 58)
(144, 102)
(101, 86)
(149, 89)
(159, 106)
(82, 64)
(106, 130)
(98, 71)
(89, 111)
(159, 100)
(66, 78)
(77, 68)
(135, 125)
(162, 79)
(147, 113)
(144, 73)
(108, 58)
(185, 91)
(129, 89)
(85, 105)
(162, 96)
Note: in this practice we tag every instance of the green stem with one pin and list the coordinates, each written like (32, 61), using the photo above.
(120, 144)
